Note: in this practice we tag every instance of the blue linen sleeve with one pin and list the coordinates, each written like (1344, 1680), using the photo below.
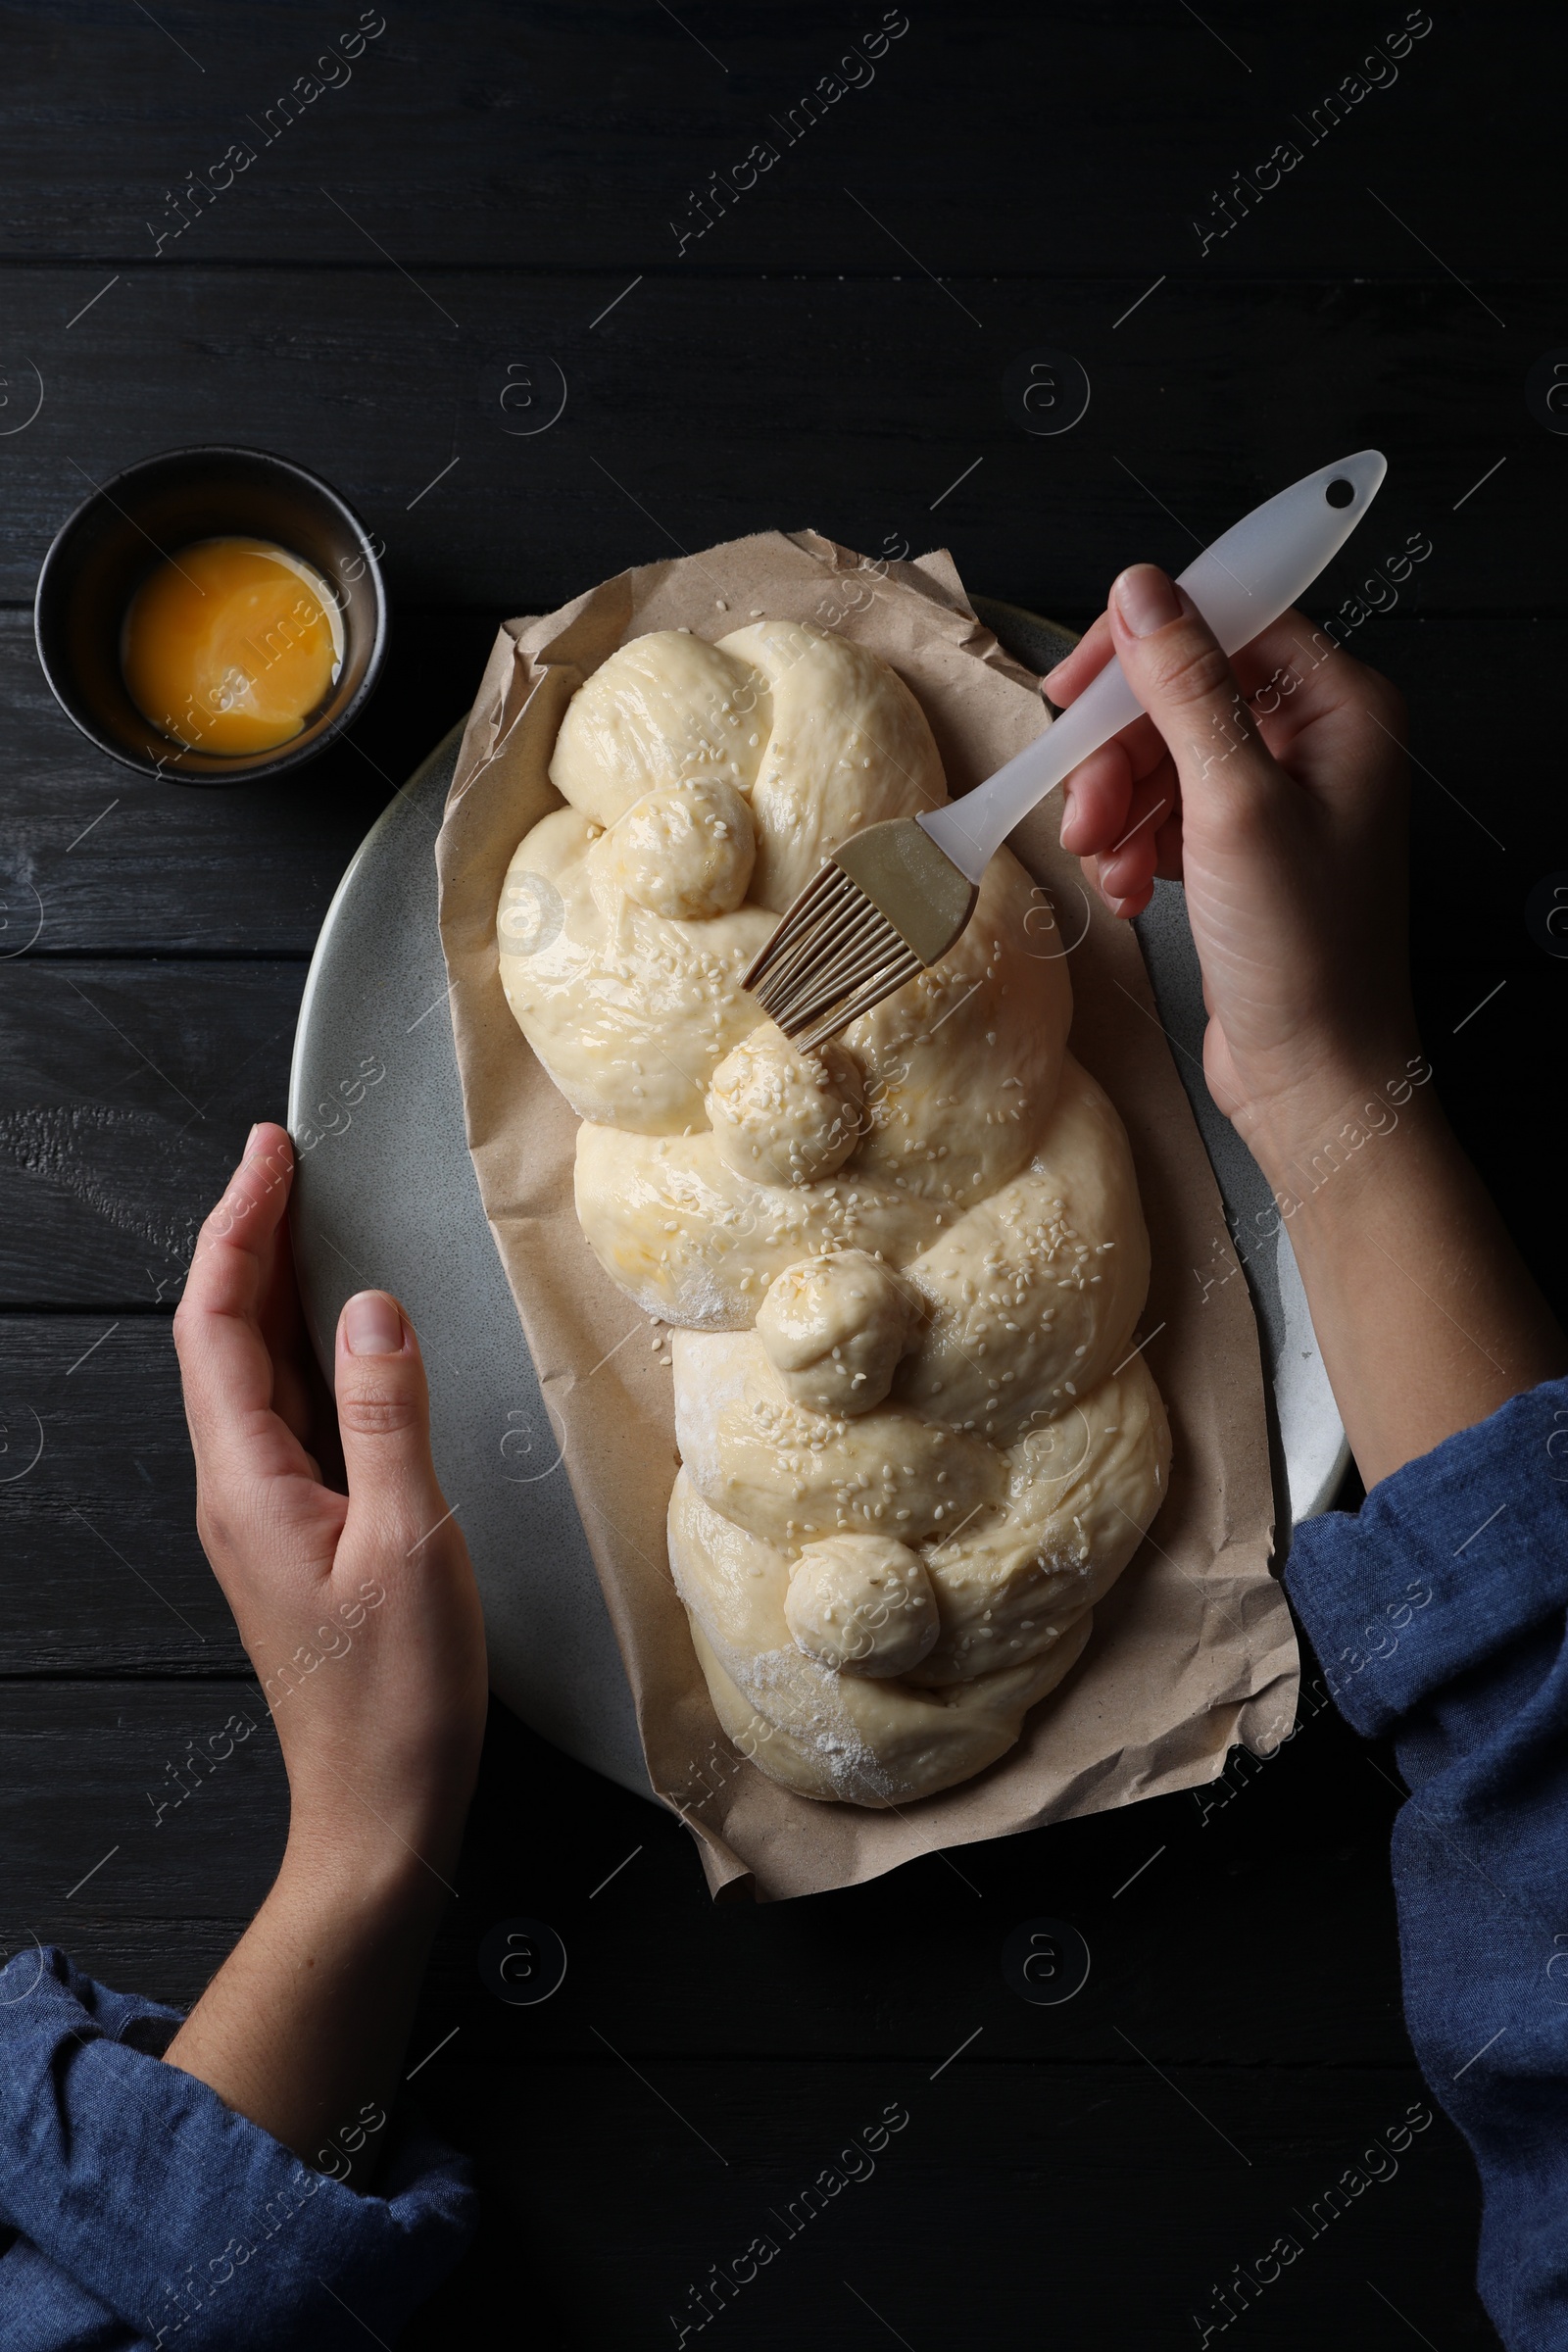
(1440, 1615)
(147, 2212)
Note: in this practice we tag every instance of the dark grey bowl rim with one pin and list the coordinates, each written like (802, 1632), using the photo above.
(258, 768)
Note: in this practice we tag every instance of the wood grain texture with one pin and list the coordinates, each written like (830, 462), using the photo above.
(103, 1571)
(1019, 2203)
(512, 184)
(127, 1091)
(87, 1765)
(95, 858)
(1188, 1903)
(703, 408)
(1274, 1856)
(488, 134)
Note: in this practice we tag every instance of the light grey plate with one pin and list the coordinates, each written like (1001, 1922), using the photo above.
(386, 1198)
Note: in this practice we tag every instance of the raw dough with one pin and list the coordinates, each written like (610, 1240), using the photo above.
(784, 1116)
(790, 1475)
(847, 744)
(664, 707)
(862, 1604)
(918, 1440)
(684, 850)
(834, 1328)
(1035, 1293)
(629, 1012)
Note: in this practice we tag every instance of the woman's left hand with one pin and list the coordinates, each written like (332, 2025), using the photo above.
(357, 1608)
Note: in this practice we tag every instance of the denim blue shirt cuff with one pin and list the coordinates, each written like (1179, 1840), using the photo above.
(1447, 1563)
(164, 2210)
(1440, 1615)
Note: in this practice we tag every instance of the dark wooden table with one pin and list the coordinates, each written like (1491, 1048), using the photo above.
(564, 191)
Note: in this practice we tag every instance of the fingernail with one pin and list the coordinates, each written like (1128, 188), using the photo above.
(250, 1139)
(373, 1325)
(1047, 683)
(1145, 599)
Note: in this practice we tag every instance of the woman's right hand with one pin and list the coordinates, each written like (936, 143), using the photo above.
(1276, 790)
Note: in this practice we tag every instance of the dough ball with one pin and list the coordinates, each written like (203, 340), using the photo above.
(780, 1116)
(664, 707)
(862, 1604)
(683, 851)
(792, 1477)
(858, 1739)
(834, 1329)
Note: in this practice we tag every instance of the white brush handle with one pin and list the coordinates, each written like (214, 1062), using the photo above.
(1240, 584)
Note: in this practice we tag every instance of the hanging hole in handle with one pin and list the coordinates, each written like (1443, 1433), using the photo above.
(1340, 491)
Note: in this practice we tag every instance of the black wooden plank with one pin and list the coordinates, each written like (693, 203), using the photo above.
(127, 1091)
(875, 410)
(103, 1571)
(483, 133)
(1012, 2205)
(155, 1956)
(95, 857)
(1490, 1028)
(106, 1167)
(1251, 1963)
(1187, 1904)
(524, 164)
(87, 1766)
(1045, 2137)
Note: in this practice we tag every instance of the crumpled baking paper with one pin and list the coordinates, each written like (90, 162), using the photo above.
(1192, 1649)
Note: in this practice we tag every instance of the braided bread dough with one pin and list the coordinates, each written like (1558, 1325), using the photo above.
(917, 1444)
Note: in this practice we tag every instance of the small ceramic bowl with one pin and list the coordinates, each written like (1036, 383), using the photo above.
(122, 533)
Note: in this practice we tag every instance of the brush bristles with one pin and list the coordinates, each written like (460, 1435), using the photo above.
(834, 956)
(830, 895)
(890, 977)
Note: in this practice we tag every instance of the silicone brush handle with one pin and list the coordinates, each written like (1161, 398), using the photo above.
(1240, 584)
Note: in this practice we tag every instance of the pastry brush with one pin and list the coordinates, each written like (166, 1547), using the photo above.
(896, 897)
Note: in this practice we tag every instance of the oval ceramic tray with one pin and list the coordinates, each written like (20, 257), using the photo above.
(386, 1196)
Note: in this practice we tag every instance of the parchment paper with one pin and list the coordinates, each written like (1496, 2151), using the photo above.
(1192, 1649)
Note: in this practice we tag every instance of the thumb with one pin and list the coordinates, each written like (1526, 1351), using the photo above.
(383, 1410)
(1175, 666)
